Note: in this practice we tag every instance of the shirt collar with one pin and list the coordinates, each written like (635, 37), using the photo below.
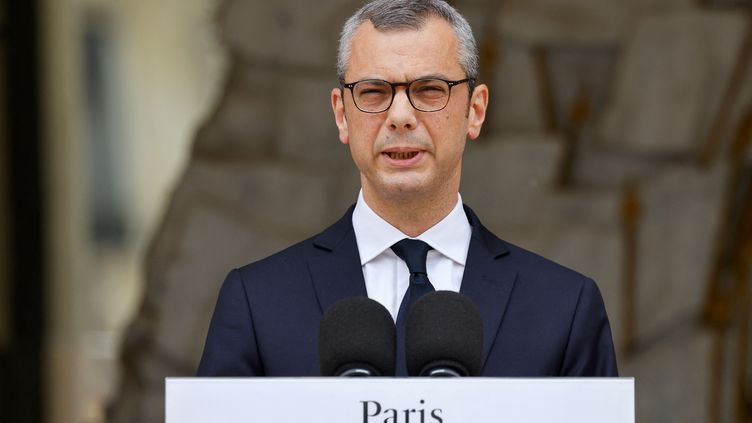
(374, 235)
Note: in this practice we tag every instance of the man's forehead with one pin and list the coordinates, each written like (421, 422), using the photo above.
(430, 49)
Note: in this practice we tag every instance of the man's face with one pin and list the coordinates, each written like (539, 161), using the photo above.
(403, 153)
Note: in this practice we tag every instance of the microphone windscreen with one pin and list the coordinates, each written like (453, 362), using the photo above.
(354, 333)
(444, 328)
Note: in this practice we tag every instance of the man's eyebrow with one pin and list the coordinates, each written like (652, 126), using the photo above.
(427, 76)
(433, 76)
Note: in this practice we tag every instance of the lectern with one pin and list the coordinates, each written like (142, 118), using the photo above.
(399, 400)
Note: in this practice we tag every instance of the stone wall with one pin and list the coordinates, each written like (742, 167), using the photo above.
(267, 170)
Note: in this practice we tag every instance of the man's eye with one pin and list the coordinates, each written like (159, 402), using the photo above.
(430, 89)
(372, 91)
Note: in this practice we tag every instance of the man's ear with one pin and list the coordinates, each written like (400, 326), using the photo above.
(338, 107)
(477, 112)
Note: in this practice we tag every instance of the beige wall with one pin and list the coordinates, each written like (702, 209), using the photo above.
(164, 82)
(66, 248)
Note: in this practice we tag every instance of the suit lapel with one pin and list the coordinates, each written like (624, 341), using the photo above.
(486, 281)
(336, 272)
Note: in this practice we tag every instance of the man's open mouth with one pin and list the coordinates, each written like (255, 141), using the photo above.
(402, 155)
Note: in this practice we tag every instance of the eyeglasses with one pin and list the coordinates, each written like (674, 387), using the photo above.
(425, 95)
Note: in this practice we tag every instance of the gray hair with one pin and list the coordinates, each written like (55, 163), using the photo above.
(388, 15)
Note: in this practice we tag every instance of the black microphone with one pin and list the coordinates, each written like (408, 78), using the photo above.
(444, 336)
(357, 338)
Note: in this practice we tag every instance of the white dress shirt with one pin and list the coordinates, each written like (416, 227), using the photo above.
(387, 276)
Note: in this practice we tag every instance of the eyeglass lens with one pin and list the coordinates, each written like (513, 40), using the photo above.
(427, 95)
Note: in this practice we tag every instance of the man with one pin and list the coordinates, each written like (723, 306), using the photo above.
(408, 101)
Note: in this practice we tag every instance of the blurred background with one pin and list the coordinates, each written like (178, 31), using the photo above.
(148, 147)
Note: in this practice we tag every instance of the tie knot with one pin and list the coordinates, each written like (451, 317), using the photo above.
(414, 253)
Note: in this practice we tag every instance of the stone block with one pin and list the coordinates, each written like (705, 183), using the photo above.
(577, 21)
(514, 93)
(672, 377)
(306, 123)
(346, 188)
(284, 195)
(511, 177)
(142, 395)
(670, 82)
(286, 32)
(681, 212)
(243, 123)
(597, 167)
(478, 13)
(741, 106)
(577, 71)
(508, 182)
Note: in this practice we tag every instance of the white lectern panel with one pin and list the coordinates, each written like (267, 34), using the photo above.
(399, 400)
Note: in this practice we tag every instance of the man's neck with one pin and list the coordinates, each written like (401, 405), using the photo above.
(412, 216)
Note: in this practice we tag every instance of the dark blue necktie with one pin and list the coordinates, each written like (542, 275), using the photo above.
(414, 253)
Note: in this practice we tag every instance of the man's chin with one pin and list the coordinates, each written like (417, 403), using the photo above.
(405, 190)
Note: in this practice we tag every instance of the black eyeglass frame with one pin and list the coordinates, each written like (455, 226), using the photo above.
(394, 85)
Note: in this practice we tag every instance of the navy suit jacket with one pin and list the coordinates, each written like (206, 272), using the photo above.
(539, 318)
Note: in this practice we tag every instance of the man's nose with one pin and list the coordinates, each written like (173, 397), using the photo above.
(401, 114)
